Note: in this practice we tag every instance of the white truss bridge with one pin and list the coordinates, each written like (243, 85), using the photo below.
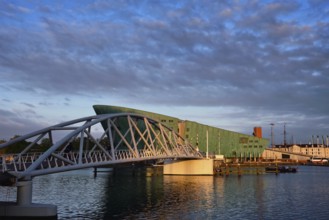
(103, 140)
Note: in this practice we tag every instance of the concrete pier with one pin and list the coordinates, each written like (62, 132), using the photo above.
(10, 210)
(189, 167)
(24, 208)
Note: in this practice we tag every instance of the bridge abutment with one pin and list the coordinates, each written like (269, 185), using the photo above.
(189, 167)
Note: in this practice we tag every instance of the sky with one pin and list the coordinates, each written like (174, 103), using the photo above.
(230, 64)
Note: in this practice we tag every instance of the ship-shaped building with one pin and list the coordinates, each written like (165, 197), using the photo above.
(209, 140)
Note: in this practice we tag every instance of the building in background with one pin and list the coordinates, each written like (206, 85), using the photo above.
(313, 151)
(218, 141)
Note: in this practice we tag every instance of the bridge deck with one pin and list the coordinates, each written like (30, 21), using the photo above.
(126, 138)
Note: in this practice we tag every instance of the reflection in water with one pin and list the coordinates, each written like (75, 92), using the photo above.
(163, 197)
(259, 194)
(128, 195)
(79, 195)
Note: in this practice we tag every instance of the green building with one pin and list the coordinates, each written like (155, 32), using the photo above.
(220, 141)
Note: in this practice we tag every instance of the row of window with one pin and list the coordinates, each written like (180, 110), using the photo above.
(245, 140)
(255, 146)
(164, 120)
(312, 150)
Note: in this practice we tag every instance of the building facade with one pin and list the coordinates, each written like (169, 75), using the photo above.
(215, 141)
(311, 150)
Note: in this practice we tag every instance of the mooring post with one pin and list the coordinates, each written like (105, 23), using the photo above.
(24, 192)
(95, 172)
(239, 170)
(227, 170)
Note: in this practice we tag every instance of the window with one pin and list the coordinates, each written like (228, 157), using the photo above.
(162, 120)
(186, 136)
(171, 121)
(243, 140)
(187, 129)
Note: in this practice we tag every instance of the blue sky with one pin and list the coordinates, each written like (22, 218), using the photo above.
(230, 64)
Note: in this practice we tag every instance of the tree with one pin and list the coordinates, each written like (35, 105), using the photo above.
(1, 142)
(17, 147)
(45, 144)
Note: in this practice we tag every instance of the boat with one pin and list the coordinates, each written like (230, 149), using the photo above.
(316, 160)
(280, 169)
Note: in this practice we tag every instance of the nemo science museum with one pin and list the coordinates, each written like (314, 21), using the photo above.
(219, 142)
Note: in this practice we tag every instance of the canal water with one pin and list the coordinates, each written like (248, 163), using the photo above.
(78, 195)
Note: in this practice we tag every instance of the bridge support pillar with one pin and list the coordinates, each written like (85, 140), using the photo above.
(24, 192)
(23, 208)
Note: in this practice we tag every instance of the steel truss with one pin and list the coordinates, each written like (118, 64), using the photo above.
(128, 138)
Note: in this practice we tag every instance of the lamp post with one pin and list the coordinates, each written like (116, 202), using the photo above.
(207, 144)
(218, 143)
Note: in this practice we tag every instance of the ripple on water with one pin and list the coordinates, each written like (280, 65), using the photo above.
(79, 195)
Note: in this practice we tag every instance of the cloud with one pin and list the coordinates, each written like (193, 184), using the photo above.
(18, 123)
(267, 58)
(28, 105)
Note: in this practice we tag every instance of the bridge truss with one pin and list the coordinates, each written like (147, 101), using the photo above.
(95, 141)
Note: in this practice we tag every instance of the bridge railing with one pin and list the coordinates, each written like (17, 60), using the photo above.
(21, 162)
(128, 138)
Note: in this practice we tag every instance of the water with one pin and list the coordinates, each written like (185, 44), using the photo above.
(78, 195)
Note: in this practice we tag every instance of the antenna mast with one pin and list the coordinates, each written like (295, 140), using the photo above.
(272, 135)
(284, 135)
